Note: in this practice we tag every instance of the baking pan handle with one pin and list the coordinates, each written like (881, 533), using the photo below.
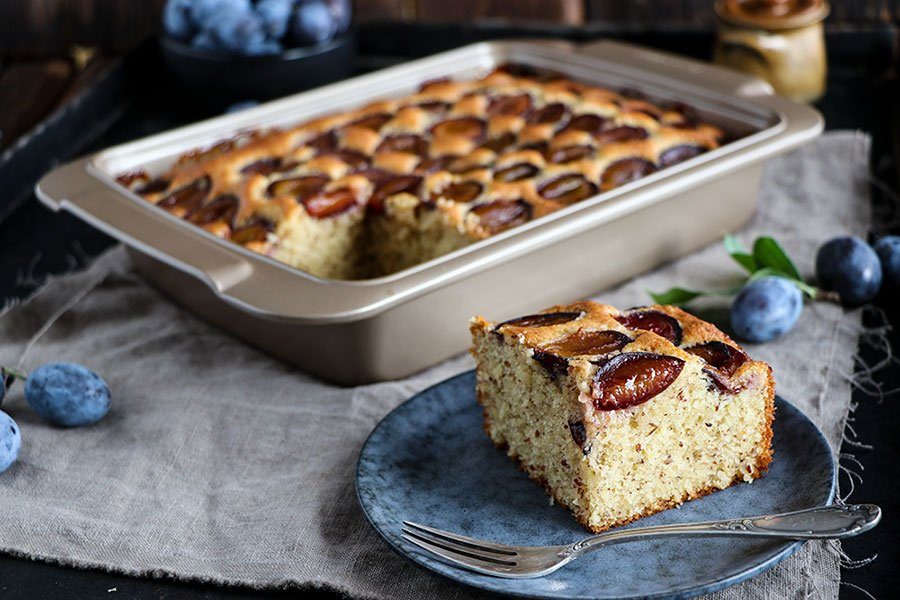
(250, 282)
(139, 225)
(670, 66)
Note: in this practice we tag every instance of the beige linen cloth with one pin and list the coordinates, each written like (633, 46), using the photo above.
(220, 464)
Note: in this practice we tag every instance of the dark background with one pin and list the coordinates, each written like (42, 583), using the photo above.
(42, 28)
(42, 69)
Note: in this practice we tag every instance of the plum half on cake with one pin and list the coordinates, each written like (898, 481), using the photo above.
(620, 415)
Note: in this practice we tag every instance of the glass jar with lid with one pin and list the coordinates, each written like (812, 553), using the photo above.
(781, 41)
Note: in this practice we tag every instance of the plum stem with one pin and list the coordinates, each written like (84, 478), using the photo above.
(14, 373)
(827, 296)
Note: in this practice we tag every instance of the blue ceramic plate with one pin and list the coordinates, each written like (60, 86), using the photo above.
(429, 461)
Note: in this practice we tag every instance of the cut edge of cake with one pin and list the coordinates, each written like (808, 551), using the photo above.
(703, 422)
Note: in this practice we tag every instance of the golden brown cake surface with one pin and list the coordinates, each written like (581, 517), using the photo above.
(397, 182)
(621, 414)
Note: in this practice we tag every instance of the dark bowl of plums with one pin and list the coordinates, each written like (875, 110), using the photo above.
(235, 51)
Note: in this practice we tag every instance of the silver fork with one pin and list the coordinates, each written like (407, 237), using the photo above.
(523, 562)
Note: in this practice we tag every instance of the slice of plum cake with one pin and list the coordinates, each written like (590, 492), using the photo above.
(620, 415)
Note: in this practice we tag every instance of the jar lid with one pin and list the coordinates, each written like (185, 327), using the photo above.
(772, 14)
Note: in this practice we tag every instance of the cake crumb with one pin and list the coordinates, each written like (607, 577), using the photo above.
(687, 441)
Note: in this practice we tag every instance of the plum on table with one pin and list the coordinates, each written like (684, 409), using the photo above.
(850, 267)
(10, 441)
(67, 394)
(766, 309)
(888, 251)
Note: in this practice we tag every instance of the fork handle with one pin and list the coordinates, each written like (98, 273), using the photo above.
(824, 522)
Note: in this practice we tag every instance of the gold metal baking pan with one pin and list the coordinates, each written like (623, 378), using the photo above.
(354, 332)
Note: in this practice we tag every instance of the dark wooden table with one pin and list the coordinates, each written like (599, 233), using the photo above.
(862, 94)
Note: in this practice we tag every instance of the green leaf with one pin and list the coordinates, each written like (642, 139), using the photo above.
(14, 373)
(745, 260)
(769, 253)
(676, 295)
(766, 272)
(739, 254)
(732, 244)
(767, 260)
(804, 287)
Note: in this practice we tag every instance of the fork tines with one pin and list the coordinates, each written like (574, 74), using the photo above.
(468, 552)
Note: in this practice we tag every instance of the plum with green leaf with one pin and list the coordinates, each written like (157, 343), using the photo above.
(769, 298)
(766, 259)
(765, 309)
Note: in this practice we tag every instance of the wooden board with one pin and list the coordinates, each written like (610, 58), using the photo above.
(385, 10)
(28, 91)
(569, 12)
(41, 28)
(82, 78)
